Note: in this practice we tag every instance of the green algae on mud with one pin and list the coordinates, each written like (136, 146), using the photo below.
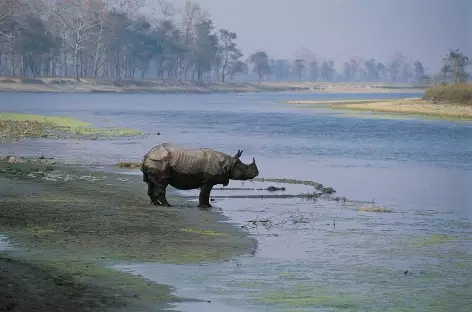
(18, 125)
(309, 295)
(109, 214)
(84, 223)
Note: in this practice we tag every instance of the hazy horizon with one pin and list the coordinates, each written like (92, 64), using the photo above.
(423, 30)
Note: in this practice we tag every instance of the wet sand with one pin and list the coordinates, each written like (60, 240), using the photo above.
(67, 223)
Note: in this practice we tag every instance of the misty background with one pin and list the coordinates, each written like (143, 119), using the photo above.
(403, 41)
(340, 29)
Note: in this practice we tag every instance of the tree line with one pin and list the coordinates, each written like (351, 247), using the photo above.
(112, 39)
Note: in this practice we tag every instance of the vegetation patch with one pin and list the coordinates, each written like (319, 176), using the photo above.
(14, 126)
(457, 93)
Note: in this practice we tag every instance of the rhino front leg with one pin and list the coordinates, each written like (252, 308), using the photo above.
(160, 194)
(151, 193)
(150, 190)
(157, 183)
(204, 197)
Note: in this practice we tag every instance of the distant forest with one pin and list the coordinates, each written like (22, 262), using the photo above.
(113, 39)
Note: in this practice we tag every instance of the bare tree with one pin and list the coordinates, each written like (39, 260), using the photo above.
(191, 15)
(80, 20)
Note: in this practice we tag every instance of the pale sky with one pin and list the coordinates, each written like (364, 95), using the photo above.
(339, 29)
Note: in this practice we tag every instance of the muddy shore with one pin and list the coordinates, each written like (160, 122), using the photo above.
(67, 223)
(14, 84)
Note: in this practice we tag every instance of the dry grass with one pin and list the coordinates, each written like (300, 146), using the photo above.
(460, 93)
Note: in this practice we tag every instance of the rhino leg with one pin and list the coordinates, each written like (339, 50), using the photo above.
(204, 197)
(151, 194)
(150, 190)
(157, 183)
(160, 194)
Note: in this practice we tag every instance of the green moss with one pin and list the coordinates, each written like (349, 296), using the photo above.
(57, 121)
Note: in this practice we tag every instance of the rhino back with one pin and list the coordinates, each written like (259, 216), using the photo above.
(188, 161)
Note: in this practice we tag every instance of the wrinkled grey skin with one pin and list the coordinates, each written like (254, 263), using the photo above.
(185, 169)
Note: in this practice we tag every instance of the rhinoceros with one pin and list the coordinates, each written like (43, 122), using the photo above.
(185, 169)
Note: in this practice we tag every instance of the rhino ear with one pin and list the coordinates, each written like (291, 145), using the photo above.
(253, 161)
(238, 154)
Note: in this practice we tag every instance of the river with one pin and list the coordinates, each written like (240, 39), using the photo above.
(418, 257)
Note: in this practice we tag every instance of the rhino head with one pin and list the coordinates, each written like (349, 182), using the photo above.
(241, 171)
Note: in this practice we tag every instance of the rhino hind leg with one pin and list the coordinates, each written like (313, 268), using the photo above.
(204, 197)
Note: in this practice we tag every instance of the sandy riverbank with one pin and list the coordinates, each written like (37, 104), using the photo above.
(68, 223)
(413, 106)
(13, 84)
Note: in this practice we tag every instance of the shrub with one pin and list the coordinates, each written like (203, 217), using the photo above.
(460, 93)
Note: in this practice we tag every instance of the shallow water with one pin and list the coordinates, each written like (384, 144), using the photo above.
(315, 256)
(4, 244)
